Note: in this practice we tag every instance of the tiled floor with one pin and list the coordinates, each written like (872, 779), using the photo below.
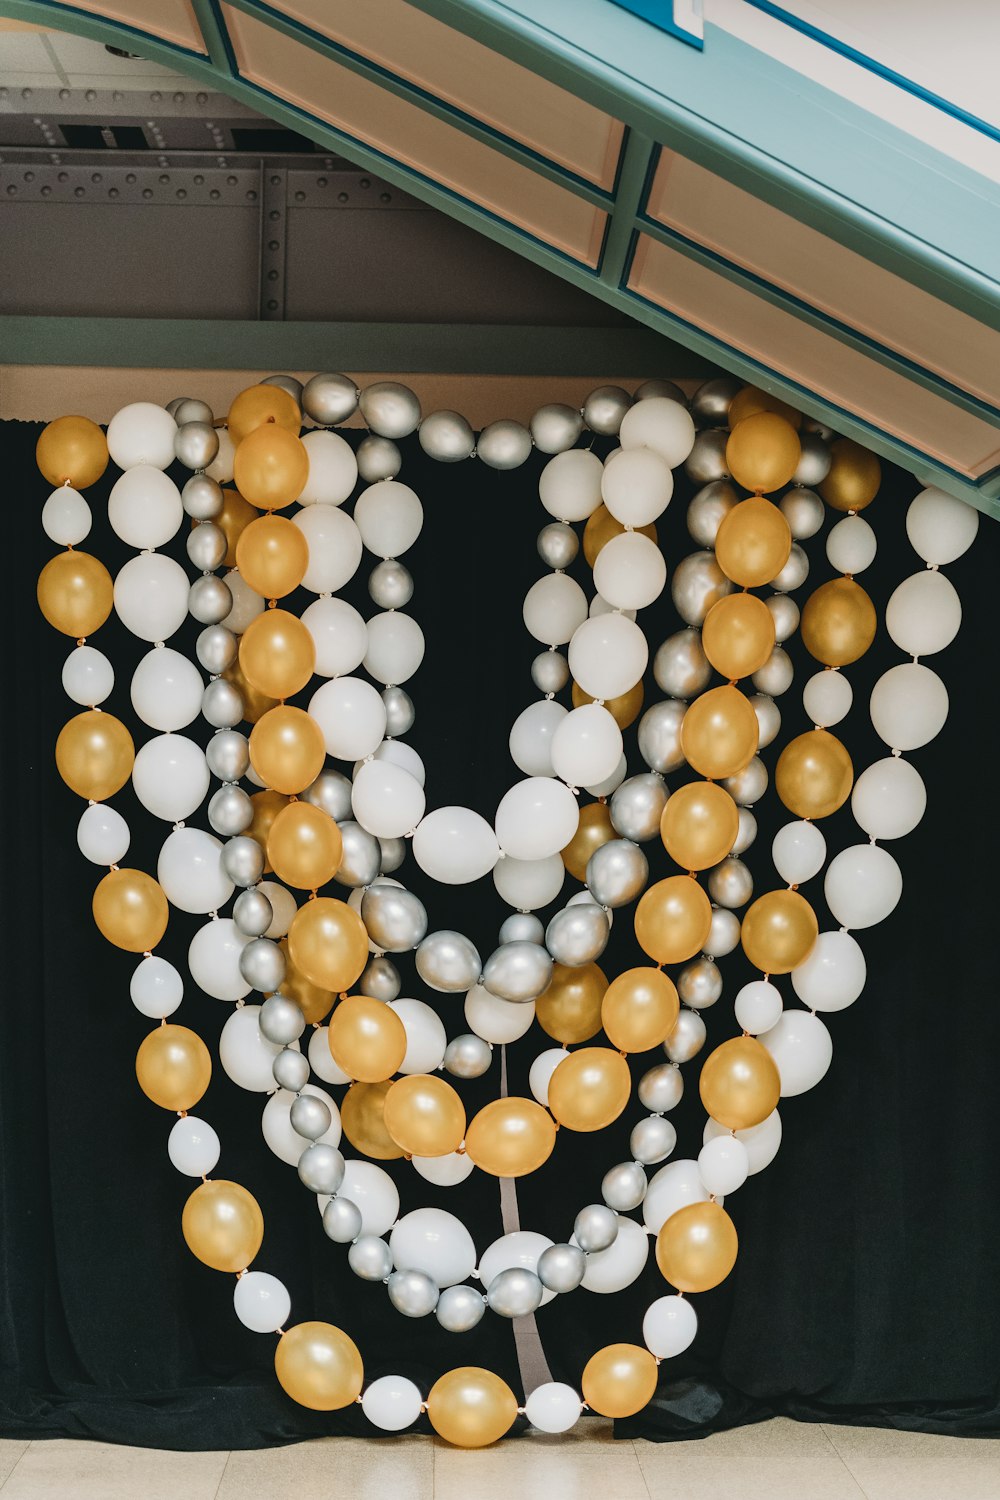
(778, 1460)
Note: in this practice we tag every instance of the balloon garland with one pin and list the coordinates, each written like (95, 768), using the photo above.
(310, 824)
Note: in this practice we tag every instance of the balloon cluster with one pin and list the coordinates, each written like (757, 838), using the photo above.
(312, 827)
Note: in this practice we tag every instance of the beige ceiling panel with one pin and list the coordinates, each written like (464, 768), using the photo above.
(173, 20)
(839, 374)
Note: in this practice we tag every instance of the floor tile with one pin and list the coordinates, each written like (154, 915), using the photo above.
(892, 1465)
(704, 1477)
(60, 1469)
(11, 1450)
(400, 1468)
(778, 1438)
(581, 1465)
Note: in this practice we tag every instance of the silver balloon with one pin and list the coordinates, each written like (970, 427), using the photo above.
(202, 498)
(624, 1187)
(390, 409)
(748, 785)
(660, 1088)
(710, 506)
(814, 460)
(287, 383)
(813, 424)
(381, 979)
(361, 859)
(697, 584)
(680, 666)
(776, 675)
(707, 460)
(310, 1117)
(243, 860)
(660, 388)
(785, 614)
(504, 445)
(253, 913)
(196, 444)
(515, 1293)
(468, 1056)
(321, 1167)
(730, 883)
(804, 511)
(221, 704)
(329, 399)
(370, 1258)
(190, 409)
(291, 1070)
(262, 964)
(561, 1268)
(209, 599)
(595, 1228)
(652, 1140)
(522, 927)
(604, 408)
(393, 854)
(517, 971)
(555, 427)
(558, 544)
(550, 671)
(228, 755)
(724, 933)
(378, 458)
(332, 792)
(711, 402)
(659, 735)
(281, 1020)
(637, 806)
(746, 832)
(390, 584)
(173, 406)
(230, 811)
(399, 712)
(617, 873)
(216, 649)
(448, 962)
(687, 1038)
(446, 436)
(578, 934)
(795, 572)
(206, 546)
(460, 1308)
(396, 919)
(342, 1221)
(699, 984)
(768, 719)
(413, 1293)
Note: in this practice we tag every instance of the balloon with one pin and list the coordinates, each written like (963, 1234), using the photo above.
(586, 745)
(569, 486)
(827, 698)
(395, 647)
(190, 871)
(259, 405)
(608, 655)
(245, 1054)
(851, 545)
(593, 831)
(908, 706)
(696, 1247)
(173, 1067)
(374, 1193)
(426, 1038)
(529, 884)
(261, 1302)
(536, 818)
(814, 775)
(854, 476)
(699, 824)
(170, 776)
(130, 910)
(328, 944)
(335, 548)
(670, 1189)
(750, 400)
(778, 931)
(798, 852)
(286, 749)
(166, 690)
(271, 467)
(590, 1089)
(351, 715)
(495, 1020)
(863, 885)
(600, 529)
(425, 1116)
(434, 1242)
(669, 1326)
(266, 807)
(802, 1049)
(637, 486)
(72, 450)
(657, 420)
(279, 1133)
(277, 653)
(471, 1407)
(541, 1071)
(223, 1225)
(760, 1141)
(624, 709)
(304, 846)
(940, 527)
(236, 515)
(455, 846)
(619, 1380)
(193, 1146)
(387, 800)
(553, 608)
(889, 798)
(319, 1366)
(95, 755)
(390, 517)
(144, 507)
(339, 634)
(151, 596)
(672, 920)
(569, 1010)
(333, 469)
(639, 1009)
(723, 1164)
(75, 593)
(738, 635)
(272, 555)
(630, 572)
(88, 677)
(924, 614)
(531, 737)
(838, 622)
(833, 975)
(367, 1040)
(102, 834)
(611, 1270)
(510, 1137)
(362, 1113)
(553, 1407)
(719, 732)
(739, 1083)
(753, 542)
(214, 960)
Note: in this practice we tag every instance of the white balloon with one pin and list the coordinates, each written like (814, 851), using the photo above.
(521, 1248)
(193, 1146)
(630, 571)
(387, 800)
(334, 547)
(389, 516)
(166, 689)
(285, 1142)
(435, 1242)
(142, 433)
(833, 975)
(214, 960)
(351, 715)
(528, 884)
(599, 606)
(221, 467)
(395, 647)
(669, 1326)
(156, 988)
(87, 676)
(151, 596)
(455, 846)
(245, 1054)
(724, 1164)
(553, 1407)
(637, 485)
(283, 905)
(444, 1171)
(247, 604)
(373, 1192)
(608, 655)
(541, 1071)
(333, 469)
(399, 753)
(145, 508)
(392, 1402)
(554, 607)
(536, 818)
(570, 485)
(170, 776)
(940, 528)
(802, 1049)
(762, 1141)
(863, 885)
(426, 1038)
(758, 1006)
(66, 517)
(531, 737)
(496, 1020)
(661, 424)
(615, 1268)
(827, 698)
(909, 705)
(587, 746)
(851, 545)
(889, 798)
(610, 783)
(321, 1059)
(262, 1302)
(103, 834)
(672, 1187)
(798, 852)
(339, 634)
(924, 613)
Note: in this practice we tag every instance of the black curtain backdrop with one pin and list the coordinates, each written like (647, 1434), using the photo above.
(866, 1288)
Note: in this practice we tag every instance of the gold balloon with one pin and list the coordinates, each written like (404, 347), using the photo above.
(75, 593)
(72, 450)
(750, 400)
(471, 1407)
(594, 829)
(590, 1088)
(854, 477)
(510, 1137)
(619, 1380)
(314, 1003)
(602, 527)
(762, 454)
(304, 846)
(260, 404)
(672, 920)
(696, 1247)
(814, 774)
(272, 555)
(131, 910)
(277, 653)
(838, 622)
(255, 703)
(173, 1067)
(329, 943)
(319, 1366)
(753, 543)
(271, 467)
(223, 1225)
(95, 755)
(266, 807)
(624, 709)
(779, 931)
(640, 1009)
(719, 733)
(699, 825)
(362, 1115)
(237, 514)
(740, 1084)
(367, 1039)
(287, 749)
(738, 635)
(424, 1115)
(570, 1008)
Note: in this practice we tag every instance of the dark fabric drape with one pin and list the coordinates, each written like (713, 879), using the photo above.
(866, 1288)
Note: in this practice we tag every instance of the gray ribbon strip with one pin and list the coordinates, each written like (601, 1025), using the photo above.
(530, 1354)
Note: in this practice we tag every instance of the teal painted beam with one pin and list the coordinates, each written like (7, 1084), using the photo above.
(633, 179)
(215, 35)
